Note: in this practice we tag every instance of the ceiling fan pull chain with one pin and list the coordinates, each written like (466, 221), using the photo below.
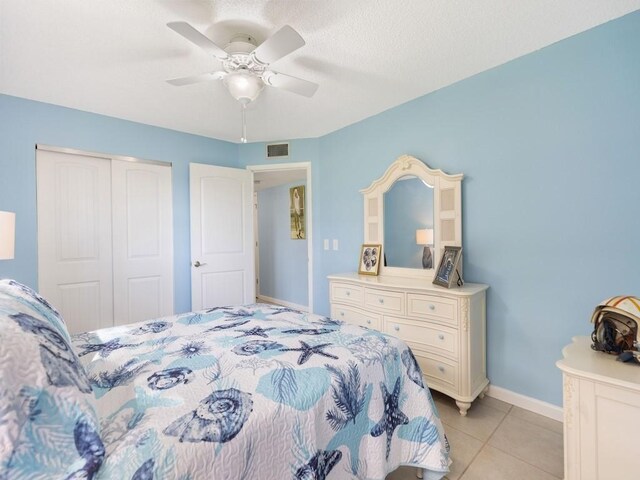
(243, 138)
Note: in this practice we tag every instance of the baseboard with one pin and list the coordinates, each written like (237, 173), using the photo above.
(284, 303)
(533, 405)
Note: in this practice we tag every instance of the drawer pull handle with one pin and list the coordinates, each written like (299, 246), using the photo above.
(441, 368)
(342, 314)
(441, 336)
(348, 293)
(396, 328)
(381, 300)
(368, 322)
(432, 306)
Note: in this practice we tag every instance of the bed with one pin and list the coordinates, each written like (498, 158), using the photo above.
(243, 392)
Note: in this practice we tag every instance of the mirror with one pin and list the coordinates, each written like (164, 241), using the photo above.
(403, 215)
(408, 212)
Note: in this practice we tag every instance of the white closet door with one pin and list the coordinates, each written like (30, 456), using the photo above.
(74, 237)
(142, 241)
(222, 251)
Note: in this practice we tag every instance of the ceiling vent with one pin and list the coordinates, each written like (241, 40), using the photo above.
(277, 150)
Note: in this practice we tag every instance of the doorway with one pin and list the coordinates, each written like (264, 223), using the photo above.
(278, 248)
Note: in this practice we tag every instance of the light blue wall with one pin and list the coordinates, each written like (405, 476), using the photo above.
(550, 148)
(549, 145)
(24, 123)
(283, 260)
(408, 206)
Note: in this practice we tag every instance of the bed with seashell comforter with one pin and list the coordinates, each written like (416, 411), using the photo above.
(256, 391)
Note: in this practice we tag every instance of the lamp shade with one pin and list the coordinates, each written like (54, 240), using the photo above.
(7, 235)
(243, 85)
(424, 236)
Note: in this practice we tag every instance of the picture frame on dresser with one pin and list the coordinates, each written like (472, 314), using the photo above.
(370, 255)
(447, 270)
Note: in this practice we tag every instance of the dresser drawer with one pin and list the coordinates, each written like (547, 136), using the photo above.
(439, 371)
(384, 300)
(356, 316)
(441, 340)
(438, 308)
(345, 292)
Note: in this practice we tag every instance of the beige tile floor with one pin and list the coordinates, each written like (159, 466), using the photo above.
(497, 441)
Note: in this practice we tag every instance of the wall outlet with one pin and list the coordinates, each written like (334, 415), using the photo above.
(335, 244)
(326, 244)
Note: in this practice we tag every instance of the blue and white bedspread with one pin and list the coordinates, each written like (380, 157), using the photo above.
(260, 392)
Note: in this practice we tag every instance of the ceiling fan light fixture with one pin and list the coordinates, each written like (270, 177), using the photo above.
(243, 85)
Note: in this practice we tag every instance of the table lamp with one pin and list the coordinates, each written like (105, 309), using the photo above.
(7, 235)
(424, 236)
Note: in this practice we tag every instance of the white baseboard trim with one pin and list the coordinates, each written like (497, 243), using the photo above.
(532, 404)
(284, 303)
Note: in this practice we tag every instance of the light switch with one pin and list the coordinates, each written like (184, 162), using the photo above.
(326, 244)
(335, 243)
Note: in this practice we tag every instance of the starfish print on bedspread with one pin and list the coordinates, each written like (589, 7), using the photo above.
(106, 348)
(226, 326)
(257, 331)
(307, 350)
(309, 331)
(241, 313)
(392, 416)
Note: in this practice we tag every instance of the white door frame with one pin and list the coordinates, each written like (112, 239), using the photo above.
(308, 212)
(256, 239)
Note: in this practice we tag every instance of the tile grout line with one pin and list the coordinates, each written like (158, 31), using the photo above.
(510, 454)
(486, 442)
(483, 443)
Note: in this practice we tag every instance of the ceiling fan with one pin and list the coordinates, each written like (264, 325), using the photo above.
(246, 65)
(243, 58)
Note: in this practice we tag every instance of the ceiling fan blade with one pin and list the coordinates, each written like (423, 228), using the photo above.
(205, 77)
(281, 43)
(194, 36)
(292, 84)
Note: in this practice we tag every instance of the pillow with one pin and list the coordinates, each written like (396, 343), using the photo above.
(49, 427)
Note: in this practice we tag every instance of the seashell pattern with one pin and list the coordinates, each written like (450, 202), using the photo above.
(413, 369)
(169, 378)
(218, 418)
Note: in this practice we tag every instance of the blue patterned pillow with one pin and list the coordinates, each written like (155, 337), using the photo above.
(48, 422)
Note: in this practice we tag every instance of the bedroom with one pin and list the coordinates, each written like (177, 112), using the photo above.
(547, 143)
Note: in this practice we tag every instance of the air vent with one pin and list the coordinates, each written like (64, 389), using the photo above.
(278, 150)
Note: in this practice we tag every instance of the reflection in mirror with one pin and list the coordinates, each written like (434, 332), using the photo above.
(408, 207)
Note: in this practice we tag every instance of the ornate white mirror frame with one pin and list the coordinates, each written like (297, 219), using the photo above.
(447, 210)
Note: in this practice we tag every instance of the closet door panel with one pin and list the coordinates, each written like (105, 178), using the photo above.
(74, 237)
(142, 241)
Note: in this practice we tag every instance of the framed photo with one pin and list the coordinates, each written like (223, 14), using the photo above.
(370, 255)
(447, 272)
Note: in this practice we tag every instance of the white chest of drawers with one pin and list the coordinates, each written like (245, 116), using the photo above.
(601, 414)
(445, 328)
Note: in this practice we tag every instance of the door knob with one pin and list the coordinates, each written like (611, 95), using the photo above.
(198, 264)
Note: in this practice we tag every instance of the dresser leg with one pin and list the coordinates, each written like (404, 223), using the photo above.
(484, 392)
(463, 406)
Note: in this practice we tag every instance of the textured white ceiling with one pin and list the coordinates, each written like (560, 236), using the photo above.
(113, 56)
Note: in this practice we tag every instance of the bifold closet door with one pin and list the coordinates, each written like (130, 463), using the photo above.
(74, 237)
(105, 239)
(142, 241)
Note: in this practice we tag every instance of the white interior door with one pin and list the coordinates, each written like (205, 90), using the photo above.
(74, 237)
(142, 241)
(222, 253)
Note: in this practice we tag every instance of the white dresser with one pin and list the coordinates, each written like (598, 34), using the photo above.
(445, 328)
(601, 414)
